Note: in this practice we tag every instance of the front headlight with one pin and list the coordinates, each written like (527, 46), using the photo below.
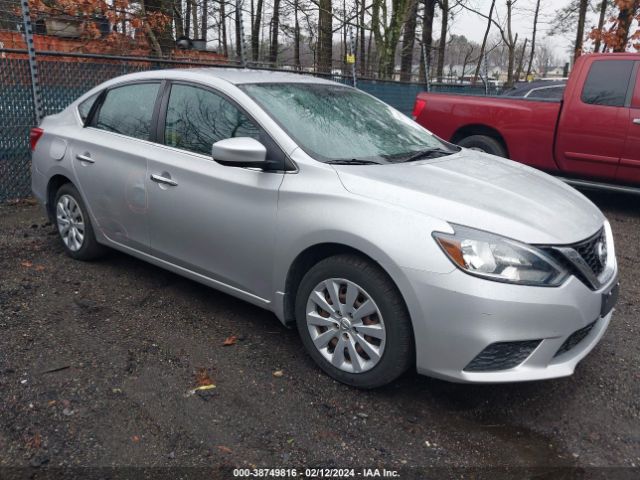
(498, 258)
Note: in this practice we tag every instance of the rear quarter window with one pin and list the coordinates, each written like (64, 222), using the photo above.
(607, 83)
(85, 107)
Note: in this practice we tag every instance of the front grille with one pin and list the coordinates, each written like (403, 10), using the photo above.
(502, 355)
(589, 252)
(575, 338)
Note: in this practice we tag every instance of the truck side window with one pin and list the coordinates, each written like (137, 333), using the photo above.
(607, 82)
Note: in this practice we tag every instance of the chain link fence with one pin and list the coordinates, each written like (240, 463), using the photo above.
(69, 63)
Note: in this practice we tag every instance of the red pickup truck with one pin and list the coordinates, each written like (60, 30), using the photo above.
(591, 137)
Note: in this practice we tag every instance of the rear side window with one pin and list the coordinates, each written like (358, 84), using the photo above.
(607, 83)
(85, 107)
(128, 110)
(197, 118)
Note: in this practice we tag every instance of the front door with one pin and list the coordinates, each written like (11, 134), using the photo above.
(218, 221)
(109, 159)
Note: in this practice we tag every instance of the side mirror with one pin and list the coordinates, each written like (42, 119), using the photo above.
(240, 152)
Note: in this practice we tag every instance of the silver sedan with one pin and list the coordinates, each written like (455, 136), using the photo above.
(388, 247)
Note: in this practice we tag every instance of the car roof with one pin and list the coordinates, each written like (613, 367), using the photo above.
(235, 76)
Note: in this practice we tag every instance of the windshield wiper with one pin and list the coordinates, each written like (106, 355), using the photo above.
(353, 161)
(428, 153)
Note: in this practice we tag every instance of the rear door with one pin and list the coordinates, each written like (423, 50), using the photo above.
(110, 161)
(594, 121)
(629, 171)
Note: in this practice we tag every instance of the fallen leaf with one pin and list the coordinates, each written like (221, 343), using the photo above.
(230, 341)
(224, 449)
(39, 268)
(35, 442)
(203, 378)
(204, 387)
(278, 373)
(26, 264)
(135, 439)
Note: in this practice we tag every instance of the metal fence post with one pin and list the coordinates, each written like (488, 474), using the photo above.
(33, 65)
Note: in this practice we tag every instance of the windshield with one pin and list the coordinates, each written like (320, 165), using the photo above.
(335, 124)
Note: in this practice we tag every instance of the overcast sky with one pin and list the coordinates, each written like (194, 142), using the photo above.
(472, 26)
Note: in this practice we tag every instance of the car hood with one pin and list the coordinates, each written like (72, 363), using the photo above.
(481, 191)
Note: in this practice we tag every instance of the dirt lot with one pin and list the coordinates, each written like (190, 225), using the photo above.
(97, 360)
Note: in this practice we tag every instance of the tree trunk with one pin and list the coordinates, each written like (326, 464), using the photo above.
(205, 15)
(296, 37)
(194, 17)
(325, 36)
(239, 39)
(533, 40)
(408, 42)
(582, 13)
(484, 42)
(603, 13)
(444, 5)
(187, 19)
(427, 35)
(511, 45)
(223, 23)
(177, 18)
(275, 27)
(625, 17)
(255, 32)
(520, 63)
(363, 65)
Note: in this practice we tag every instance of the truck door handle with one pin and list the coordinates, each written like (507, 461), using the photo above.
(85, 158)
(636, 121)
(165, 180)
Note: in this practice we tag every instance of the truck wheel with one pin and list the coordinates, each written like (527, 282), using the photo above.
(354, 322)
(485, 144)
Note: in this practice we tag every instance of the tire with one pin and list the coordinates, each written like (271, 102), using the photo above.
(71, 213)
(391, 334)
(485, 144)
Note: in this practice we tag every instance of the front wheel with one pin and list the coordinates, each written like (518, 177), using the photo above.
(484, 143)
(353, 322)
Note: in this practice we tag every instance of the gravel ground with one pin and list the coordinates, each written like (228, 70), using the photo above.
(97, 361)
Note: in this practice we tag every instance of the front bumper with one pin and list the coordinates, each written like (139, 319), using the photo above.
(456, 316)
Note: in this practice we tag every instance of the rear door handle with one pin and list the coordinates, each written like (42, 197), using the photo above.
(165, 180)
(85, 158)
(636, 121)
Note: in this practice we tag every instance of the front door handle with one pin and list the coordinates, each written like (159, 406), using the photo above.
(165, 180)
(636, 121)
(85, 158)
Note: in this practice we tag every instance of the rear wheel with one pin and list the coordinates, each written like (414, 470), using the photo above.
(484, 143)
(74, 226)
(353, 322)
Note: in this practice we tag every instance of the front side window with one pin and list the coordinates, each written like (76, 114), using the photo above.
(198, 118)
(607, 83)
(335, 123)
(128, 110)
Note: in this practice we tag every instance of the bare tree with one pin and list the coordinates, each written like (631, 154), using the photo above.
(325, 36)
(484, 42)
(533, 38)
(444, 6)
(275, 27)
(408, 42)
(603, 13)
(582, 13)
(255, 32)
(427, 36)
